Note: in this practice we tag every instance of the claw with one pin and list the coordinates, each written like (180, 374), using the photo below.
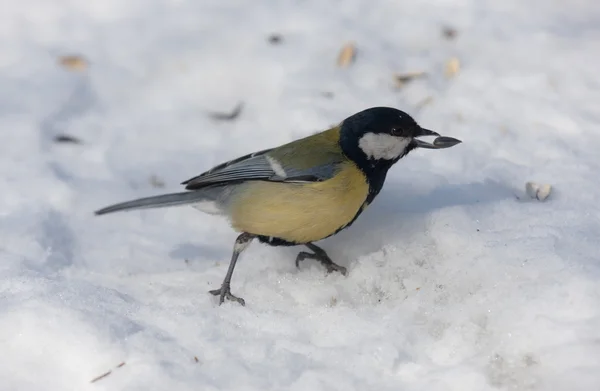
(330, 266)
(225, 293)
(302, 256)
(336, 268)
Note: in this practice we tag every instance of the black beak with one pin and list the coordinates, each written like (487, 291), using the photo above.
(425, 132)
(440, 142)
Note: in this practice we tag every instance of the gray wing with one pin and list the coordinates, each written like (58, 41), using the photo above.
(260, 166)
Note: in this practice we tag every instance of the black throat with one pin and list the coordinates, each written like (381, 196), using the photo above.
(375, 170)
(375, 174)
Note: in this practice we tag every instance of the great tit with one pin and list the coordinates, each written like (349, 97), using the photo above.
(303, 191)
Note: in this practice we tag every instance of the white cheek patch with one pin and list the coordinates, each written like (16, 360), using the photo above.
(383, 146)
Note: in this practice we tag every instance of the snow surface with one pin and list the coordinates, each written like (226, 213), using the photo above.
(454, 282)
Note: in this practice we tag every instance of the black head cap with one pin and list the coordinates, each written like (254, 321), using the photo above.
(380, 136)
(381, 120)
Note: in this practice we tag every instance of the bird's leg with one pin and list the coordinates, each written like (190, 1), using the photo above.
(224, 292)
(319, 255)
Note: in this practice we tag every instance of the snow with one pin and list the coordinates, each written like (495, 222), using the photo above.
(457, 279)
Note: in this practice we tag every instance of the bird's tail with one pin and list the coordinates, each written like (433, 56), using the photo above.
(161, 201)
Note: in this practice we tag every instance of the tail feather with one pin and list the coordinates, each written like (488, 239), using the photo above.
(161, 201)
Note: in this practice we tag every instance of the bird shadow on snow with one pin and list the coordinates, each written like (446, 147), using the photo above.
(204, 252)
(401, 212)
(397, 212)
(59, 240)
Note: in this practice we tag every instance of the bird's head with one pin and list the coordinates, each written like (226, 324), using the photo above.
(378, 137)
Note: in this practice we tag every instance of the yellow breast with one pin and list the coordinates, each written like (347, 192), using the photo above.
(300, 213)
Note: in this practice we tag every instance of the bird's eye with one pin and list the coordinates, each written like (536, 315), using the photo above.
(396, 131)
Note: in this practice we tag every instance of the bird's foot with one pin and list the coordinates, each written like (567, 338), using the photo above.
(225, 293)
(330, 266)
